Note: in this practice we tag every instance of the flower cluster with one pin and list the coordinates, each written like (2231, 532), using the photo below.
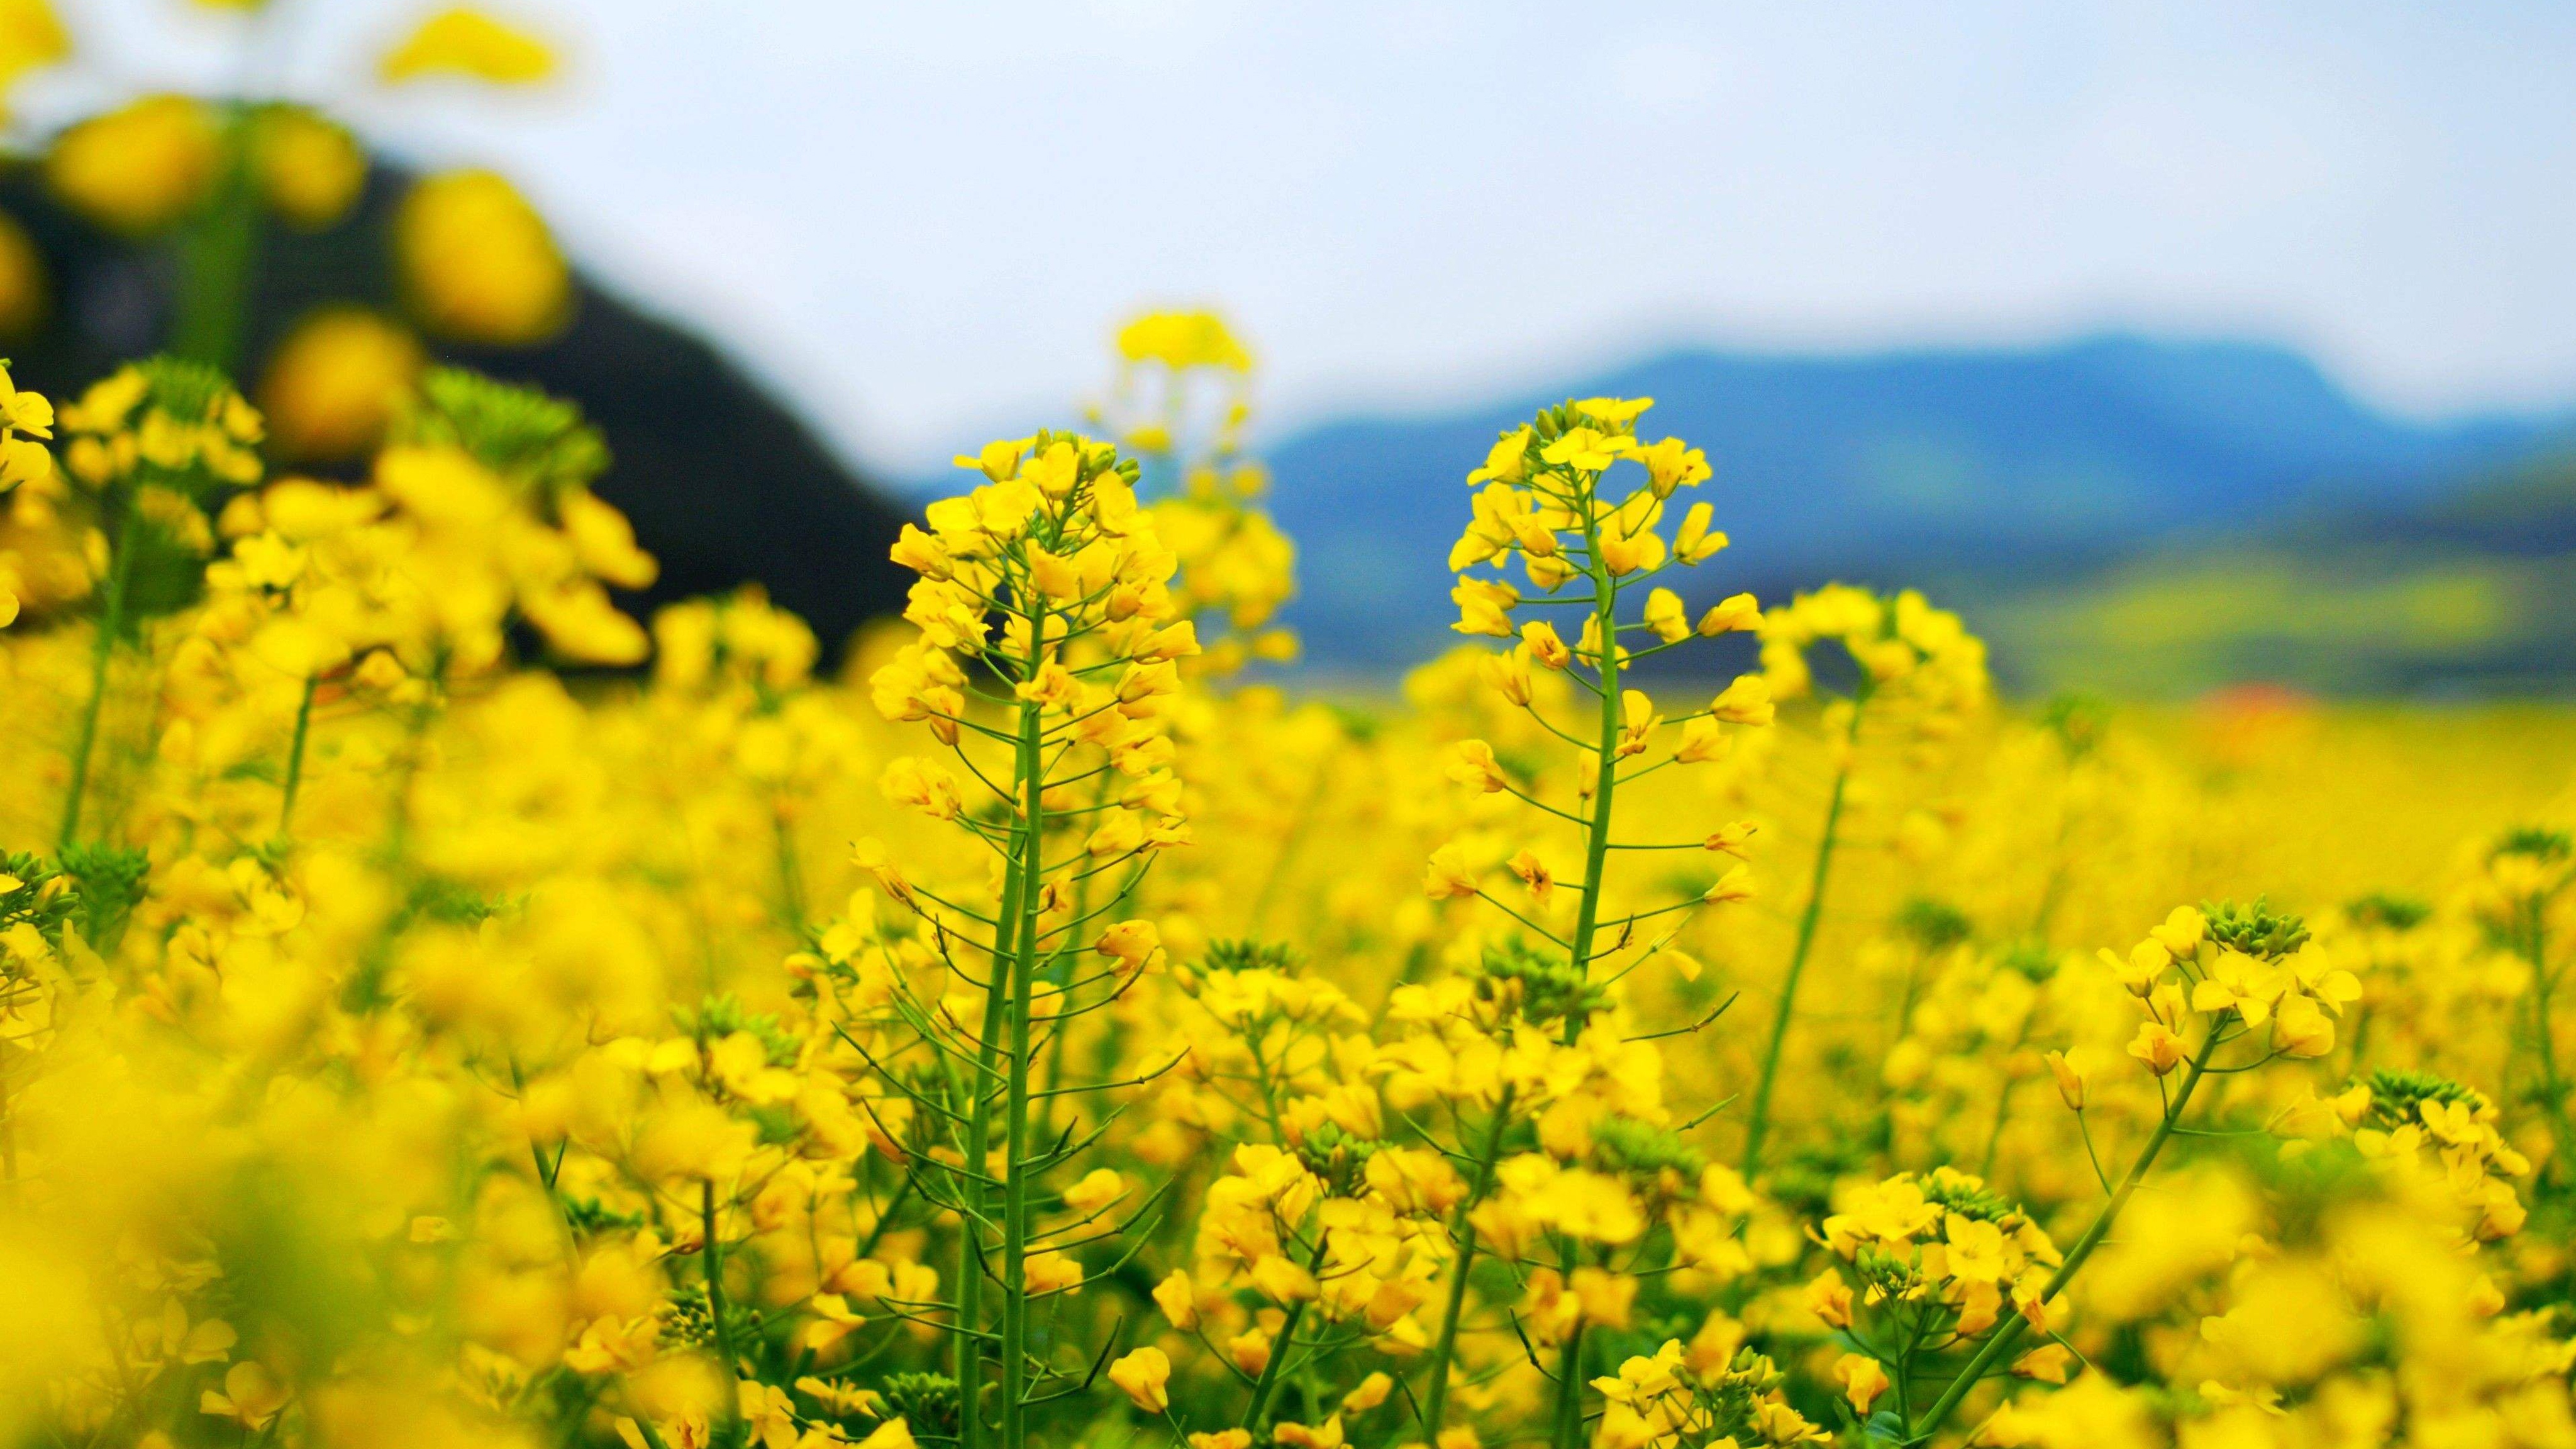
(1025, 1036)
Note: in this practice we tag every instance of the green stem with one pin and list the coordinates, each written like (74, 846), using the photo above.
(713, 1263)
(2003, 1106)
(1995, 1133)
(1060, 975)
(1587, 920)
(1018, 890)
(1569, 1389)
(791, 873)
(295, 758)
(111, 623)
(1462, 1231)
(215, 257)
(1265, 1388)
(2553, 1086)
(2007, 1335)
(1596, 831)
(1758, 1125)
(1015, 1168)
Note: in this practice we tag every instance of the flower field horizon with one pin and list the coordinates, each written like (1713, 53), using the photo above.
(410, 1042)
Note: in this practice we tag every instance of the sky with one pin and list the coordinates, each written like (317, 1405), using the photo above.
(923, 221)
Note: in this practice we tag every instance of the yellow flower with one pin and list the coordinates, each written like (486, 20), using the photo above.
(1143, 1376)
(1507, 461)
(2050, 1363)
(1587, 450)
(2158, 1047)
(1618, 414)
(1666, 616)
(2239, 983)
(309, 169)
(1327, 1435)
(1863, 1380)
(1472, 764)
(1671, 464)
(2303, 1029)
(1745, 701)
(892, 1434)
(477, 263)
(1637, 721)
(139, 169)
(332, 386)
(1182, 340)
(1484, 607)
(1098, 1189)
(2070, 1083)
(1449, 875)
(1695, 542)
(2181, 932)
(31, 38)
(1178, 1299)
(2141, 968)
(1829, 1298)
(1731, 615)
(471, 44)
(1373, 1391)
(251, 1396)
(1052, 1272)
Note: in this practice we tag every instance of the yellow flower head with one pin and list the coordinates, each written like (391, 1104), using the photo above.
(478, 264)
(472, 44)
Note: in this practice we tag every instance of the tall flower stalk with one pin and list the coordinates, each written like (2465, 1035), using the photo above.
(2227, 991)
(1900, 654)
(1588, 550)
(154, 447)
(2527, 874)
(1070, 690)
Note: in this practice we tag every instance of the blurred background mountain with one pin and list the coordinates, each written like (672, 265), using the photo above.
(2117, 511)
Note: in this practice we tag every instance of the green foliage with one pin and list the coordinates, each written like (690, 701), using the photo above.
(2396, 1093)
(540, 444)
(1624, 1144)
(1250, 956)
(2257, 930)
(1541, 985)
(2392, 912)
(718, 1017)
(2546, 846)
(1933, 925)
(110, 881)
(29, 901)
(927, 1402)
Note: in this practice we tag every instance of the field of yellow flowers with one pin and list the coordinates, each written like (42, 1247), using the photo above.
(439, 1009)
(1043, 1035)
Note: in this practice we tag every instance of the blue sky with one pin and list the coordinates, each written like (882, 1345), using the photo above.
(923, 219)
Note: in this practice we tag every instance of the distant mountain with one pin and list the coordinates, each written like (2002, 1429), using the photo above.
(2006, 470)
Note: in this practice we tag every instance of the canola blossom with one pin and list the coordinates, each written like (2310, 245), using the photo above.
(1674, 1020)
(441, 1008)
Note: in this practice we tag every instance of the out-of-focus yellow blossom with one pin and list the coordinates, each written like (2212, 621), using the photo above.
(31, 38)
(469, 43)
(139, 169)
(335, 383)
(476, 262)
(309, 169)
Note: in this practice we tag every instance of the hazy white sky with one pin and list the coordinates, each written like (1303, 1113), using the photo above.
(924, 218)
